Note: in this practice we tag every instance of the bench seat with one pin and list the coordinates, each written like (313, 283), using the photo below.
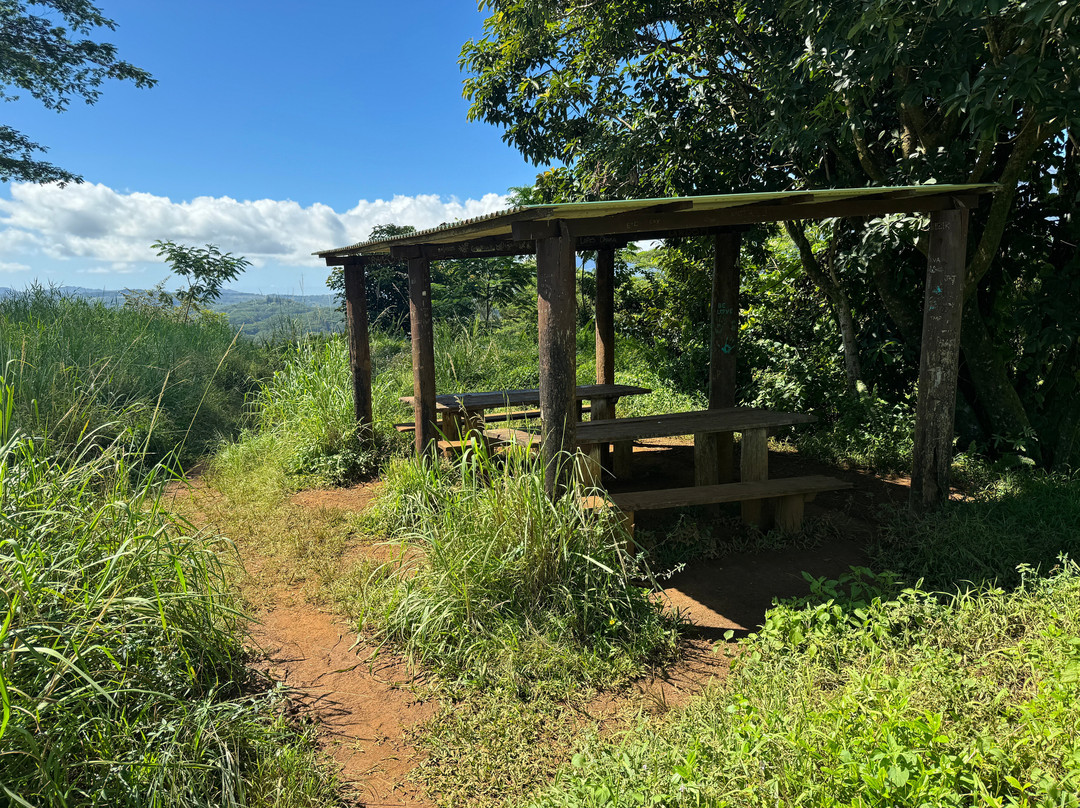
(788, 493)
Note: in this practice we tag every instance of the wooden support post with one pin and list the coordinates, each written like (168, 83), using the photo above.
(587, 466)
(754, 466)
(605, 340)
(356, 319)
(605, 316)
(423, 352)
(557, 314)
(723, 351)
(939, 363)
(789, 512)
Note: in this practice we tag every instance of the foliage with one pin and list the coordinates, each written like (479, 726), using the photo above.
(306, 420)
(121, 673)
(46, 60)
(167, 386)
(462, 290)
(861, 695)
(206, 269)
(280, 319)
(689, 97)
(515, 589)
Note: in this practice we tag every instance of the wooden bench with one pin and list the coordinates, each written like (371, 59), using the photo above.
(788, 493)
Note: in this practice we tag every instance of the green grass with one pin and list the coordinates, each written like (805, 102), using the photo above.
(1022, 518)
(514, 590)
(865, 696)
(81, 367)
(122, 679)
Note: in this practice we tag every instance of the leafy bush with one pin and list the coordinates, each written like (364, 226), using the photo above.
(121, 673)
(513, 589)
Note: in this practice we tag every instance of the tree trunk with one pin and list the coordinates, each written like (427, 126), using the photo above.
(996, 401)
(838, 300)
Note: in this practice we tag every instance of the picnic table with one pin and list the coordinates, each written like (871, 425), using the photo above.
(754, 486)
(463, 412)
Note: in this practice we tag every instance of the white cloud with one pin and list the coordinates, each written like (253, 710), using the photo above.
(8, 266)
(95, 223)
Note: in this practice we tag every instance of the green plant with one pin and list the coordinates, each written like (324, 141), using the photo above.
(866, 695)
(121, 671)
(165, 386)
(1022, 519)
(515, 589)
(206, 269)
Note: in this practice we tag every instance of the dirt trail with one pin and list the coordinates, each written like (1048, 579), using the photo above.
(365, 700)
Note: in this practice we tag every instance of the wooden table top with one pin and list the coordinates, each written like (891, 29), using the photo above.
(732, 419)
(518, 398)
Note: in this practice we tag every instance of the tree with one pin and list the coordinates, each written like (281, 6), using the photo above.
(44, 55)
(709, 96)
(386, 285)
(206, 269)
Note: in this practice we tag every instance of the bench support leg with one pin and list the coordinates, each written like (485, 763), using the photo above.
(451, 425)
(602, 410)
(755, 467)
(789, 512)
(587, 466)
(706, 465)
(622, 459)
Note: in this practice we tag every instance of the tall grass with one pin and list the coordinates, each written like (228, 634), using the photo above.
(121, 674)
(82, 367)
(1023, 518)
(513, 589)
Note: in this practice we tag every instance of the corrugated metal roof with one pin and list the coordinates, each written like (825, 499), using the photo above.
(500, 223)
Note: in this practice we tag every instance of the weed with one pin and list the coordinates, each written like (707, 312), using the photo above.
(863, 695)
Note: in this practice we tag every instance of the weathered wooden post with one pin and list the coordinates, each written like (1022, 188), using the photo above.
(423, 351)
(557, 313)
(715, 460)
(605, 316)
(605, 346)
(356, 321)
(939, 363)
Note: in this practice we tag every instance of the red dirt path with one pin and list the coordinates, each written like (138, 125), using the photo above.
(365, 700)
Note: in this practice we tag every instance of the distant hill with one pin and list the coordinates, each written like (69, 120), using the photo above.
(261, 315)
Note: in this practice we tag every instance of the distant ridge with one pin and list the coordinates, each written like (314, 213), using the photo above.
(259, 315)
(228, 296)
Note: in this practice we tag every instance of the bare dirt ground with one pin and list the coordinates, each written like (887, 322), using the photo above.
(365, 700)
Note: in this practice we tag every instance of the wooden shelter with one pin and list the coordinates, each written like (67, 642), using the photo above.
(555, 233)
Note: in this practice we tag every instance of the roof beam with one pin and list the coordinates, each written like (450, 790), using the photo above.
(642, 226)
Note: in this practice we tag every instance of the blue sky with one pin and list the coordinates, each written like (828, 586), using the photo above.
(276, 128)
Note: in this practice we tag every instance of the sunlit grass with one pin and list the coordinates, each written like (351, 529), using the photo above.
(122, 677)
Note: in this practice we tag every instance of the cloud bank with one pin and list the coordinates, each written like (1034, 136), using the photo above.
(108, 231)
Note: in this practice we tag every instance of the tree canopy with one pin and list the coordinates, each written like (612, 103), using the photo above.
(46, 51)
(660, 97)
